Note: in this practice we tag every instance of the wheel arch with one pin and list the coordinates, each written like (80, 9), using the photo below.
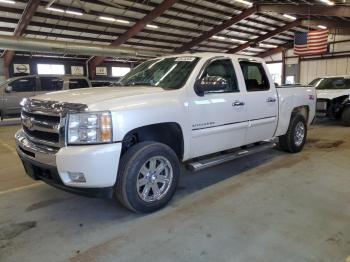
(169, 133)
(302, 110)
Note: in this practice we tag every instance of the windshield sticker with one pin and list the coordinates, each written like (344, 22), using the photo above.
(185, 59)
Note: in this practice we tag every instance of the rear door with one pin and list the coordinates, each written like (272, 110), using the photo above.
(218, 119)
(262, 101)
(21, 88)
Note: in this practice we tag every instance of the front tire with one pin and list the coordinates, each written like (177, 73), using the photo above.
(294, 140)
(148, 176)
(345, 117)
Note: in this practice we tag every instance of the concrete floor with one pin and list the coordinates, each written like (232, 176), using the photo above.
(269, 207)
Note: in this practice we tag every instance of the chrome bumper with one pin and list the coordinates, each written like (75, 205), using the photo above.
(28, 150)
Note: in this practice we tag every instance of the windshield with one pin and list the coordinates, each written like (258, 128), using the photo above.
(331, 83)
(168, 73)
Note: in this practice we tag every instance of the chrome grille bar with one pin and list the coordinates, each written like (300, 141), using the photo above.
(44, 121)
(39, 125)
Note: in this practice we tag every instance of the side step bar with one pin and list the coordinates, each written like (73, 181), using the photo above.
(219, 159)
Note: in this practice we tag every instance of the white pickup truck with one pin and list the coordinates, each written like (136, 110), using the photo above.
(127, 142)
(333, 97)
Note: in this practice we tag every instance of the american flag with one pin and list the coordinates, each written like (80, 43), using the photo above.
(313, 42)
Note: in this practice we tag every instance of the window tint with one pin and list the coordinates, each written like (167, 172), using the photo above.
(341, 83)
(254, 76)
(78, 83)
(167, 73)
(51, 83)
(224, 69)
(23, 85)
(332, 83)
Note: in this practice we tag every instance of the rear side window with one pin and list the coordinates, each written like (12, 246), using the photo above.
(78, 83)
(24, 84)
(254, 76)
(51, 84)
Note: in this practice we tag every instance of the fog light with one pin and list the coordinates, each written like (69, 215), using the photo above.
(77, 177)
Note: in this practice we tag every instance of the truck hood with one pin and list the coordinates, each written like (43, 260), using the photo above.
(332, 93)
(89, 96)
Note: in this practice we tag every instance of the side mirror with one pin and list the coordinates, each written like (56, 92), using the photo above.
(210, 84)
(8, 89)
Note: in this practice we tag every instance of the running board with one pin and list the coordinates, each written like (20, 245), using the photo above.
(219, 159)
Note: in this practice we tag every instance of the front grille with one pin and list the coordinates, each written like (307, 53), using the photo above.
(44, 121)
(322, 104)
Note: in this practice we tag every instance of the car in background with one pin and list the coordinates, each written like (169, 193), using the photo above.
(333, 97)
(98, 83)
(13, 90)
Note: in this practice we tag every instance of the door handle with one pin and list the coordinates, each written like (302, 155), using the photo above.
(271, 100)
(238, 103)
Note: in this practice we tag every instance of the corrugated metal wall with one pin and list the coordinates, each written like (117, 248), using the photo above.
(310, 70)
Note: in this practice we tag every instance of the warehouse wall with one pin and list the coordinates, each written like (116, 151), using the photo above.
(310, 70)
(39, 60)
(304, 69)
(33, 61)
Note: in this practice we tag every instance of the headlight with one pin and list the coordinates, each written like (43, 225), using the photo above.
(89, 128)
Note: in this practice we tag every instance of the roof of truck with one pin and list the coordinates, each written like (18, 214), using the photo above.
(209, 55)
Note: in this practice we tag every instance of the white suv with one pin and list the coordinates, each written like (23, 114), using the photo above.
(13, 90)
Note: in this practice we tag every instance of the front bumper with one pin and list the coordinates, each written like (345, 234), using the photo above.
(98, 163)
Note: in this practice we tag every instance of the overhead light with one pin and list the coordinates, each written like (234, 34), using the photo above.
(71, 12)
(244, 2)
(289, 17)
(236, 40)
(123, 21)
(7, 1)
(218, 37)
(55, 9)
(267, 45)
(327, 2)
(322, 27)
(152, 26)
(106, 18)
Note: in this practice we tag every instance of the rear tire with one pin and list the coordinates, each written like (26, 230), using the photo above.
(148, 177)
(294, 140)
(345, 117)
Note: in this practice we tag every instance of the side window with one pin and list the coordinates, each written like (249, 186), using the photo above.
(27, 84)
(254, 76)
(78, 83)
(339, 83)
(224, 69)
(51, 83)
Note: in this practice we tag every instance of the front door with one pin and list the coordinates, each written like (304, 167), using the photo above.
(262, 102)
(21, 88)
(218, 119)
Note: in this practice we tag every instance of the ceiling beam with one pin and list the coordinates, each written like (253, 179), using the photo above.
(235, 19)
(340, 31)
(22, 25)
(135, 29)
(303, 9)
(266, 36)
(276, 50)
(181, 32)
(327, 22)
